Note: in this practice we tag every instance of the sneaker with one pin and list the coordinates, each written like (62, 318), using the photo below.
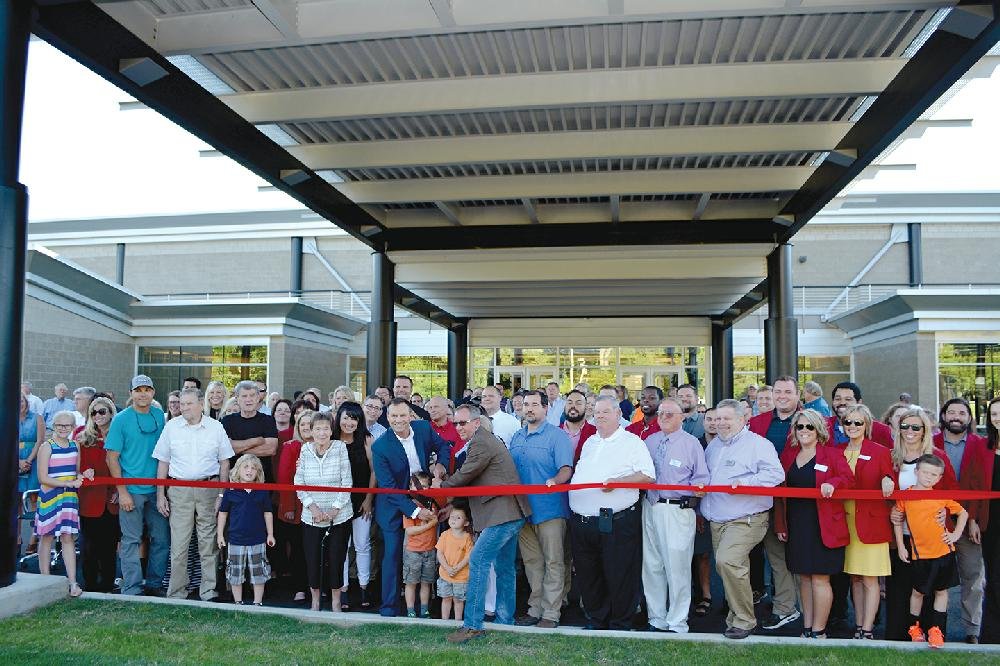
(934, 638)
(425, 614)
(758, 596)
(778, 621)
(916, 633)
(411, 613)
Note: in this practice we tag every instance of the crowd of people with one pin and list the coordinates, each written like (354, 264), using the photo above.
(626, 553)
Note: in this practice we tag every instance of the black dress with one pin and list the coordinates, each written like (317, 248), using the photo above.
(805, 552)
(361, 472)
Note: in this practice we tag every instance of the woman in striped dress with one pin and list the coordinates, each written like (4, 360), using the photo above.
(58, 503)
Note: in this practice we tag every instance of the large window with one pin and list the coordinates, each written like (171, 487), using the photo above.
(168, 366)
(827, 371)
(970, 371)
(429, 373)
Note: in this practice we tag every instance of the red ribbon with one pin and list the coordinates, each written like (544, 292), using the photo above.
(476, 491)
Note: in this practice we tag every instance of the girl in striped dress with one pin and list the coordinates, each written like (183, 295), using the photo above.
(58, 503)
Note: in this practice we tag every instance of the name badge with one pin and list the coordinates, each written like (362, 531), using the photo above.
(730, 463)
(675, 463)
(821, 468)
(864, 457)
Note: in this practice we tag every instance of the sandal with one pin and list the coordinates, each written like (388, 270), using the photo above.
(867, 635)
(75, 590)
(703, 607)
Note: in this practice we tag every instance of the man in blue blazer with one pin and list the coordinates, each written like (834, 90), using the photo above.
(401, 451)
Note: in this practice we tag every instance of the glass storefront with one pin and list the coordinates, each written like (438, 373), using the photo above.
(970, 371)
(168, 366)
(827, 371)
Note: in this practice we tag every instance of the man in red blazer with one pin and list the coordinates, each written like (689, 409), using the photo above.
(966, 451)
(775, 426)
(848, 394)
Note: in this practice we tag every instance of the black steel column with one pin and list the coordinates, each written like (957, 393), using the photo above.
(722, 362)
(295, 282)
(381, 361)
(781, 341)
(458, 360)
(916, 255)
(14, 20)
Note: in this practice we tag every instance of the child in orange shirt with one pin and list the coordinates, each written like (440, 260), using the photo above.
(931, 549)
(454, 549)
(419, 562)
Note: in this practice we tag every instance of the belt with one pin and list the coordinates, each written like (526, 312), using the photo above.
(682, 500)
(214, 477)
(586, 520)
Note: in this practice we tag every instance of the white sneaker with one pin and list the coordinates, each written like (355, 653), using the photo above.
(778, 621)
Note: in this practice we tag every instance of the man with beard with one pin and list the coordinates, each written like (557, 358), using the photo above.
(693, 424)
(848, 394)
(649, 400)
(966, 450)
(576, 425)
(543, 454)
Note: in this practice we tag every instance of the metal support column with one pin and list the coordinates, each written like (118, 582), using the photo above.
(14, 22)
(916, 254)
(722, 362)
(120, 264)
(458, 360)
(295, 281)
(781, 342)
(381, 361)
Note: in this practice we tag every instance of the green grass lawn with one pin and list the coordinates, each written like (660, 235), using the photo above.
(101, 632)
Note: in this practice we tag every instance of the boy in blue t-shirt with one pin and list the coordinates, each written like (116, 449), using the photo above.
(251, 529)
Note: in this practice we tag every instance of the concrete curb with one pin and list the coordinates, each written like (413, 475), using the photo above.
(358, 619)
(31, 591)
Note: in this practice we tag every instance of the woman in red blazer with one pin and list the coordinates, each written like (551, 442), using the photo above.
(815, 531)
(289, 507)
(867, 555)
(98, 504)
(912, 438)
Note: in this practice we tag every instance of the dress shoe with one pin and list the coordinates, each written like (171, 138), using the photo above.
(737, 633)
(526, 620)
(464, 635)
(547, 624)
(972, 639)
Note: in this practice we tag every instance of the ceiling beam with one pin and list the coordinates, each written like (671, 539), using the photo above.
(583, 235)
(699, 210)
(239, 28)
(529, 207)
(623, 86)
(668, 181)
(421, 307)
(777, 138)
(964, 37)
(450, 212)
(91, 37)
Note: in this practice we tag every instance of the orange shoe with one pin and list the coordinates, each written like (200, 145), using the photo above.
(916, 633)
(934, 638)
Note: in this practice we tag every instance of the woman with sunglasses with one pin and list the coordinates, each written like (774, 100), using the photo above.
(913, 437)
(98, 504)
(991, 538)
(815, 531)
(867, 555)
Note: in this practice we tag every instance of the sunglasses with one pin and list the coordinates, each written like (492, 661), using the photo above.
(805, 426)
(859, 424)
(464, 423)
(100, 412)
(910, 426)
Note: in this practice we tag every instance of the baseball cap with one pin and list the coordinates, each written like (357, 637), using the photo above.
(141, 380)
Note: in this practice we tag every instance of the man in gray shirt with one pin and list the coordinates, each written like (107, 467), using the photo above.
(687, 396)
(738, 457)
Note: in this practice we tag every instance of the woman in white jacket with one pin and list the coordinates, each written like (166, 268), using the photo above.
(325, 516)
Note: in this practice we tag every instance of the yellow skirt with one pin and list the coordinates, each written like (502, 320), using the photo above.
(864, 559)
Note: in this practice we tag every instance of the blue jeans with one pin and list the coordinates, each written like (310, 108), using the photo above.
(132, 522)
(496, 545)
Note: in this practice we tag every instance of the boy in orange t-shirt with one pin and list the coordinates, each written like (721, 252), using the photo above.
(419, 561)
(931, 549)
(454, 550)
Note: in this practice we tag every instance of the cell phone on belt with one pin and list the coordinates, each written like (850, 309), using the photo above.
(604, 520)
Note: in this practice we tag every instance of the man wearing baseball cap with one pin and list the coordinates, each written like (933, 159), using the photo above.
(130, 443)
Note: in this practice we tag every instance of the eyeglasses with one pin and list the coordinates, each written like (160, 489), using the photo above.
(465, 423)
(100, 412)
(859, 424)
(805, 426)
(63, 425)
(911, 426)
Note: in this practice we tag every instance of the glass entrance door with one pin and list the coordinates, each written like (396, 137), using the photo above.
(539, 377)
(512, 379)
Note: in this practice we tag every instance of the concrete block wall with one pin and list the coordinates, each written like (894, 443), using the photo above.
(295, 365)
(907, 363)
(61, 346)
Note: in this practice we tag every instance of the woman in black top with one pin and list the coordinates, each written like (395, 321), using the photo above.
(989, 523)
(350, 428)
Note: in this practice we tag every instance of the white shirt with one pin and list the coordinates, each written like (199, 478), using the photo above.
(193, 451)
(504, 426)
(35, 403)
(601, 459)
(411, 452)
(622, 421)
(80, 418)
(556, 408)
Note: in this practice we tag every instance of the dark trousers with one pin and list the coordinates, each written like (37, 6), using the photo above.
(392, 568)
(991, 607)
(334, 540)
(898, 588)
(841, 584)
(609, 567)
(100, 551)
(291, 553)
(757, 568)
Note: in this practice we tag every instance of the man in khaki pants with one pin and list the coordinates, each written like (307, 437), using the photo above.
(738, 457)
(192, 448)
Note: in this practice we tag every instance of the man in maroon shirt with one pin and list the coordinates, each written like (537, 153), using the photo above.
(575, 424)
(649, 400)
(440, 420)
